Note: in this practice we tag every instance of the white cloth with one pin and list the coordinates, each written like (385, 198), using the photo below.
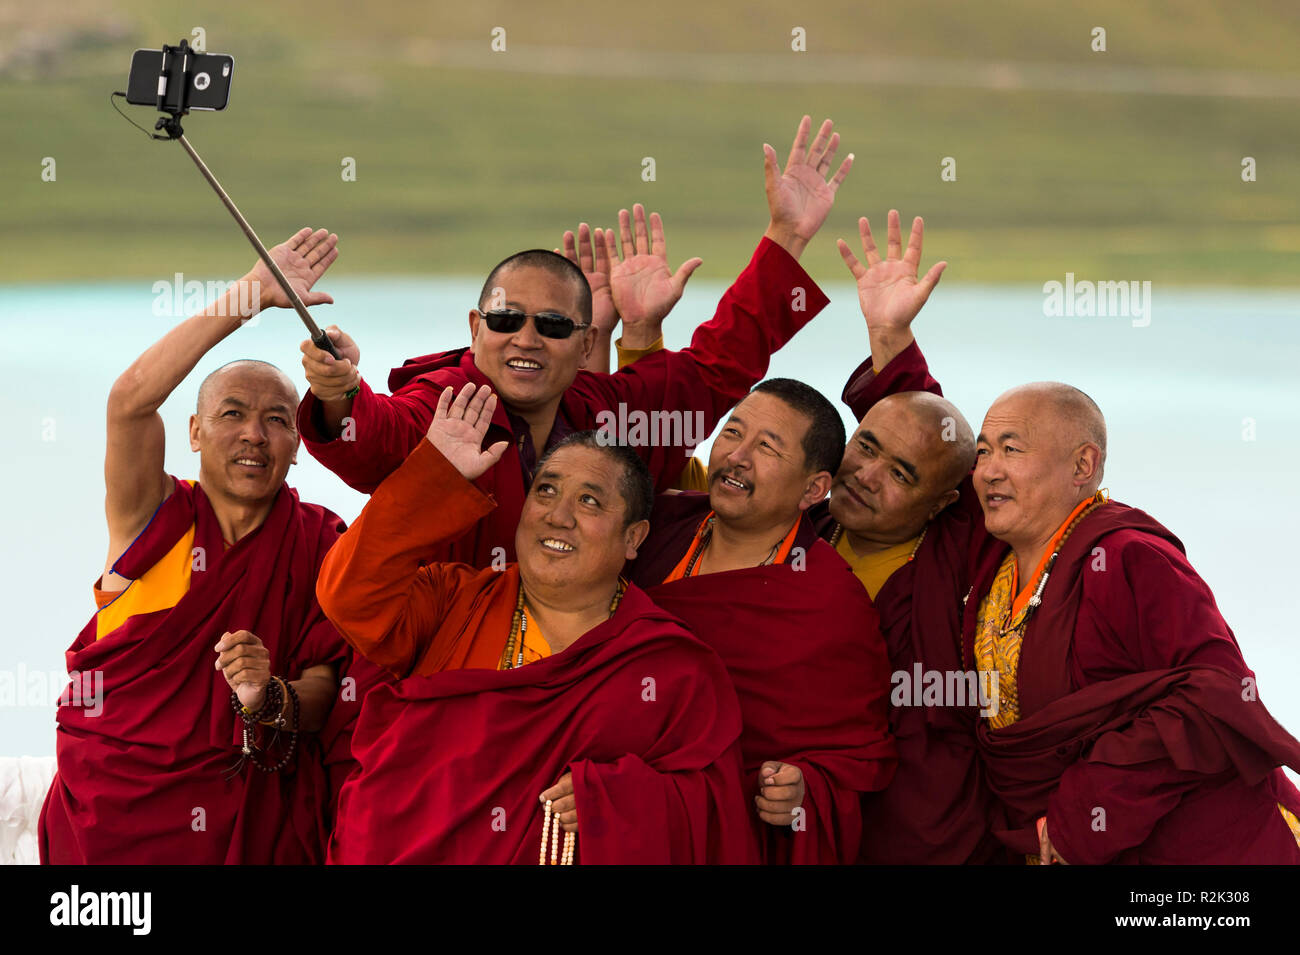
(24, 781)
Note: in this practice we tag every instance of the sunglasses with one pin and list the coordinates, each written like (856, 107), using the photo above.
(548, 324)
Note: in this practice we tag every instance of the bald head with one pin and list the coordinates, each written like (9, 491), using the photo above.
(1064, 414)
(951, 436)
(210, 389)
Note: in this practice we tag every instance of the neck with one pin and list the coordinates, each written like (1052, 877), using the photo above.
(540, 422)
(735, 548)
(564, 617)
(862, 546)
(238, 519)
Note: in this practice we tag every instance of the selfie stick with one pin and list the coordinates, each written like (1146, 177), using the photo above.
(172, 126)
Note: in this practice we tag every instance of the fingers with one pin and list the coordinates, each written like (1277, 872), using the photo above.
(843, 171)
(895, 242)
(851, 260)
(561, 789)
(913, 254)
(658, 244)
(785, 805)
(785, 775)
(602, 243)
(777, 819)
(684, 273)
(932, 278)
(444, 403)
(611, 246)
(625, 233)
(475, 405)
(493, 454)
(320, 244)
(868, 242)
(779, 794)
(799, 150)
(298, 237)
(771, 172)
(822, 143)
(236, 638)
(828, 155)
(570, 247)
(585, 258)
(642, 238)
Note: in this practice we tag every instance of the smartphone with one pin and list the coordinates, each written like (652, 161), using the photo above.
(209, 79)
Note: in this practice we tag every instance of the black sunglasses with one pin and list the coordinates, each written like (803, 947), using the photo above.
(548, 324)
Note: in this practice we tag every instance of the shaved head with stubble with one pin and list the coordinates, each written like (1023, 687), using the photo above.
(901, 468)
(1041, 452)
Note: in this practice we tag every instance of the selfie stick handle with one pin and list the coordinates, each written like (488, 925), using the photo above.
(318, 337)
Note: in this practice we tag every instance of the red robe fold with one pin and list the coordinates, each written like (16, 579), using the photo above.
(936, 809)
(1140, 736)
(802, 646)
(642, 714)
(143, 781)
(726, 357)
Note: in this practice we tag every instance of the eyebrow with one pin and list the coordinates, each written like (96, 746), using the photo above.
(1005, 435)
(906, 465)
(776, 438)
(557, 476)
(516, 306)
(241, 404)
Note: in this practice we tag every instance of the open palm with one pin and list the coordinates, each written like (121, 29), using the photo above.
(458, 428)
(303, 259)
(800, 198)
(644, 288)
(889, 291)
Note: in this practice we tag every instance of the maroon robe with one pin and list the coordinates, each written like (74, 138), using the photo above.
(936, 809)
(802, 646)
(640, 712)
(726, 357)
(1140, 736)
(145, 780)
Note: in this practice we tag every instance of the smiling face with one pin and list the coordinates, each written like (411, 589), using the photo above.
(528, 371)
(1036, 459)
(245, 432)
(572, 531)
(759, 478)
(898, 471)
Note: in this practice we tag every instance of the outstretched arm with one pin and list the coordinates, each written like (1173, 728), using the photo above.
(133, 461)
(375, 585)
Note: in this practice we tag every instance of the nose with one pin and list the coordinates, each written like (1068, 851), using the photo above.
(561, 513)
(988, 469)
(254, 432)
(868, 475)
(527, 337)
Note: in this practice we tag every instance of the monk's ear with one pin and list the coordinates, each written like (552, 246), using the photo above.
(588, 343)
(297, 443)
(943, 501)
(634, 537)
(474, 320)
(194, 432)
(1087, 464)
(819, 485)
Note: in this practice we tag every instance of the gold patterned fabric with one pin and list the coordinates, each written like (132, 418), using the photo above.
(996, 651)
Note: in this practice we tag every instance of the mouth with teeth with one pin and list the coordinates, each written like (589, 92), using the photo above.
(996, 500)
(556, 546)
(526, 365)
(250, 462)
(733, 483)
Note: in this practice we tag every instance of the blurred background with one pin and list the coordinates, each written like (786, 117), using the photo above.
(1122, 165)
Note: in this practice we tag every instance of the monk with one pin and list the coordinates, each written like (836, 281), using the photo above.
(1129, 728)
(532, 330)
(202, 724)
(903, 513)
(743, 567)
(545, 712)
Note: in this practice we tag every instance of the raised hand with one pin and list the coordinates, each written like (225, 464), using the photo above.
(800, 198)
(458, 428)
(590, 253)
(644, 287)
(888, 290)
(303, 259)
